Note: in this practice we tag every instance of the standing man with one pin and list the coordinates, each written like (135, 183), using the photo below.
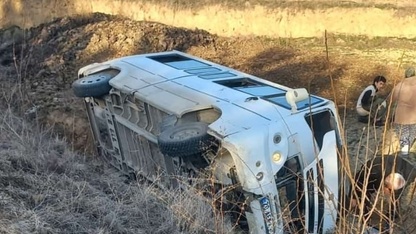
(404, 97)
(368, 104)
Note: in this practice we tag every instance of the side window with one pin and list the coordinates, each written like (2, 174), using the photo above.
(320, 123)
(289, 182)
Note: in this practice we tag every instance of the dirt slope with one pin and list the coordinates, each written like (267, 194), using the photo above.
(47, 61)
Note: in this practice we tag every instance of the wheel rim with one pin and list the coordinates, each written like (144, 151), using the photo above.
(184, 134)
(91, 81)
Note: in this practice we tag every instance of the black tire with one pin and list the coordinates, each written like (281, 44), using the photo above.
(95, 85)
(185, 140)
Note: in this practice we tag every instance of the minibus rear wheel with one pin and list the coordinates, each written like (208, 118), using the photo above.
(185, 139)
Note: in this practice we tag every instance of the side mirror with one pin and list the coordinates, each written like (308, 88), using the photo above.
(296, 95)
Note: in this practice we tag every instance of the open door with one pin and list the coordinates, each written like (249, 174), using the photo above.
(321, 187)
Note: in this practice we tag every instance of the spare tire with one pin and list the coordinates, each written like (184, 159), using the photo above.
(94, 85)
(185, 139)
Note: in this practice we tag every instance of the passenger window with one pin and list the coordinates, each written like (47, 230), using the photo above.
(239, 83)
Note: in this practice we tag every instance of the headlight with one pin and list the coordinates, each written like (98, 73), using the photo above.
(276, 157)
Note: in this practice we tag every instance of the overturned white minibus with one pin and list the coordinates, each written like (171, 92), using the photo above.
(270, 148)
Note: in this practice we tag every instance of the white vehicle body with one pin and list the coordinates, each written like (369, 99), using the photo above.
(277, 145)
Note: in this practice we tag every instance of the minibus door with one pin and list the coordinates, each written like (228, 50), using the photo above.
(321, 187)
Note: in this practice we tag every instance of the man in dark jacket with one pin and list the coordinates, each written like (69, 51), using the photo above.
(369, 106)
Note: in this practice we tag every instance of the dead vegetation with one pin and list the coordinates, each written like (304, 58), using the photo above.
(47, 188)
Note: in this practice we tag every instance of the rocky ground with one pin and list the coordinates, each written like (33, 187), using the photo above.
(40, 64)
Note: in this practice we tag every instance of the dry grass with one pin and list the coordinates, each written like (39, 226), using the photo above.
(47, 188)
(272, 4)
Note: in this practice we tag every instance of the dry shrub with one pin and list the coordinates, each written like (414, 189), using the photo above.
(193, 211)
(46, 188)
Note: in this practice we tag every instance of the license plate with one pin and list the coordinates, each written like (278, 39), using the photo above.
(267, 214)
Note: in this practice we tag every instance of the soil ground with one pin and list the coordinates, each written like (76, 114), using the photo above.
(39, 67)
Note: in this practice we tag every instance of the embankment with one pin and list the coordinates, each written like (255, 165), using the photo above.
(281, 19)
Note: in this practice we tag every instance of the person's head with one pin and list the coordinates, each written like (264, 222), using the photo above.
(379, 82)
(409, 72)
(394, 181)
